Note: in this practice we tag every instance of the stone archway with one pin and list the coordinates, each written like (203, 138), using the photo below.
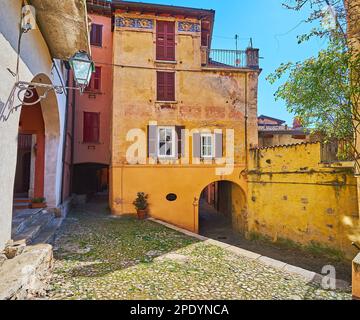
(52, 165)
(39, 136)
(222, 210)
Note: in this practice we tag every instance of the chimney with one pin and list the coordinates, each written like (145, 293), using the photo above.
(252, 58)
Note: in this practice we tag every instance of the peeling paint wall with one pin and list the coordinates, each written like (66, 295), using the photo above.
(293, 196)
(205, 98)
(35, 65)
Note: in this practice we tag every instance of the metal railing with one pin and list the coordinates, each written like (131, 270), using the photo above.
(99, 3)
(232, 58)
(248, 58)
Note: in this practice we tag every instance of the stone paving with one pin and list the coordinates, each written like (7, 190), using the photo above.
(100, 257)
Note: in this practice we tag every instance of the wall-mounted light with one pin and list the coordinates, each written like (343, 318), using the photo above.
(83, 67)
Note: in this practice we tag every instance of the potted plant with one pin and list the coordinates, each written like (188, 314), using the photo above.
(38, 203)
(141, 205)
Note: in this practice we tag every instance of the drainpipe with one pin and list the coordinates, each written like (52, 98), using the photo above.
(246, 122)
(72, 140)
(65, 136)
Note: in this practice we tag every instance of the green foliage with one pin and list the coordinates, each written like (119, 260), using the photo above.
(38, 200)
(319, 92)
(318, 249)
(141, 202)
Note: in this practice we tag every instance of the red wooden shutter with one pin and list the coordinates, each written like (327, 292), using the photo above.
(170, 41)
(91, 127)
(160, 40)
(165, 86)
(96, 35)
(97, 79)
(165, 40)
(161, 86)
(86, 134)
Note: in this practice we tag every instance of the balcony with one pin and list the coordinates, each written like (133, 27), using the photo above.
(238, 59)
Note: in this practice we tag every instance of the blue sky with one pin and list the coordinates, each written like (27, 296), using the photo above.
(273, 29)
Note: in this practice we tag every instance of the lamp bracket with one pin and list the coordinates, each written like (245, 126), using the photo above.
(20, 93)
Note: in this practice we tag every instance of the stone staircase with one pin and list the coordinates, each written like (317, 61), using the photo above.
(21, 203)
(35, 226)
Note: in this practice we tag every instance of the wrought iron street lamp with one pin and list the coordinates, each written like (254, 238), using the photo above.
(80, 63)
(82, 67)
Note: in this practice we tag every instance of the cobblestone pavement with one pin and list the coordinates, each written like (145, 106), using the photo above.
(99, 257)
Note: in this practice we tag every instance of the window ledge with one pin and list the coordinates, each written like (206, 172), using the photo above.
(92, 143)
(93, 92)
(166, 61)
(166, 102)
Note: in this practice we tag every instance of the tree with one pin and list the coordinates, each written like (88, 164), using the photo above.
(324, 91)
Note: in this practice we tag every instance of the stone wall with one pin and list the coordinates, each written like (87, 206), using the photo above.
(293, 196)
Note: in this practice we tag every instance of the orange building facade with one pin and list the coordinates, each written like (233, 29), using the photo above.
(183, 118)
(91, 145)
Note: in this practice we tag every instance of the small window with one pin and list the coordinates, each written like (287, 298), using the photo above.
(96, 35)
(165, 86)
(95, 82)
(91, 132)
(207, 146)
(166, 139)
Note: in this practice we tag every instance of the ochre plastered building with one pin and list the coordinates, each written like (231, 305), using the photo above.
(166, 83)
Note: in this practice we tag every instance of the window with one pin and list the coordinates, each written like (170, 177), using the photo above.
(91, 132)
(166, 138)
(207, 146)
(96, 35)
(165, 86)
(165, 41)
(95, 82)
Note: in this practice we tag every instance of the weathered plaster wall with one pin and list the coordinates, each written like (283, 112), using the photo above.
(293, 196)
(34, 59)
(205, 98)
(279, 139)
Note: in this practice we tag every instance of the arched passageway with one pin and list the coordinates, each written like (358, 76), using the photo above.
(38, 170)
(29, 177)
(91, 179)
(222, 210)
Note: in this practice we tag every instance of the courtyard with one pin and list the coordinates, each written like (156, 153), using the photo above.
(101, 257)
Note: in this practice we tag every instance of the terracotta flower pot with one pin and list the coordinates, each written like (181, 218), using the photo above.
(38, 205)
(141, 214)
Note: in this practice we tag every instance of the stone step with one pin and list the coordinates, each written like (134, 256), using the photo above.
(22, 200)
(21, 203)
(23, 218)
(21, 206)
(47, 234)
(28, 234)
(33, 229)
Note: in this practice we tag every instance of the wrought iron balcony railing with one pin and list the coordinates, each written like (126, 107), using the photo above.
(248, 58)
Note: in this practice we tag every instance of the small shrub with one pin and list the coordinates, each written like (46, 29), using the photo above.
(141, 202)
(38, 200)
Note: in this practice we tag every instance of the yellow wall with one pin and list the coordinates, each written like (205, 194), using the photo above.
(208, 98)
(279, 139)
(293, 196)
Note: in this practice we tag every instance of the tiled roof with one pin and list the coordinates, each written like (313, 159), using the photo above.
(285, 145)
